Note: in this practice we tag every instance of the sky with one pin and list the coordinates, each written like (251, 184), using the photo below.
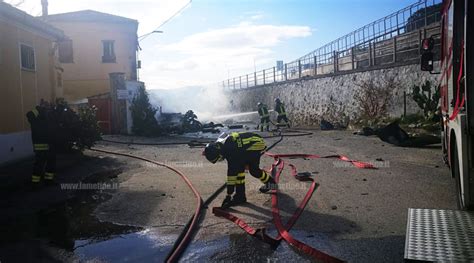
(212, 40)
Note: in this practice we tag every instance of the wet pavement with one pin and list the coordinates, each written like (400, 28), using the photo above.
(357, 215)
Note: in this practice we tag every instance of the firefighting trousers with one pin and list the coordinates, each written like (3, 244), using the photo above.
(236, 172)
(264, 123)
(281, 118)
(45, 162)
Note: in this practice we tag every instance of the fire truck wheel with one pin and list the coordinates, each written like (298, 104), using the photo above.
(457, 176)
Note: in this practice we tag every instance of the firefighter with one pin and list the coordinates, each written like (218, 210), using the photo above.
(42, 135)
(242, 150)
(264, 116)
(280, 109)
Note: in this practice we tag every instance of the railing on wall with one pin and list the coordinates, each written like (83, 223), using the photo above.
(393, 39)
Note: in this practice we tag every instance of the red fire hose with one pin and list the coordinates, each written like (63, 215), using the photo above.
(176, 253)
(186, 236)
(283, 231)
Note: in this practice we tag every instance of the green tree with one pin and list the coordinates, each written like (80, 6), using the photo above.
(73, 130)
(143, 114)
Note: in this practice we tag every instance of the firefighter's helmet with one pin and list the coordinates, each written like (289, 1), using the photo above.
(212, 152)
(259, 104)
(277, 100)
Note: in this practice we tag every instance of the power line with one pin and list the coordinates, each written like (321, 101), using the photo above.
(164, 22)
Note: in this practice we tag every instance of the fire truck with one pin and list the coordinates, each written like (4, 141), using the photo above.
(457, 93)
(448, 235)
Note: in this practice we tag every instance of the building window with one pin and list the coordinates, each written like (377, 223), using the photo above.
(65, 52)
(27, 57)
(109, 53)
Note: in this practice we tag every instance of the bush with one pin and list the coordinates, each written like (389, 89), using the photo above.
(143, 115)
(73, 130)
(373, 99)
(89, 132)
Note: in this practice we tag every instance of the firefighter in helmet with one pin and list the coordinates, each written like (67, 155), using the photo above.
(242, 150)
(264, 116)
(280, 109)
(42, 135)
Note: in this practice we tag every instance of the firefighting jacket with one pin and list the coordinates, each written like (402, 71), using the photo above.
(263, 111)
(38, 120)
(240, 145)
(280, 109)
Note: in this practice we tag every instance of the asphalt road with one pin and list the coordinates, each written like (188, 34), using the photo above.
(357, 215)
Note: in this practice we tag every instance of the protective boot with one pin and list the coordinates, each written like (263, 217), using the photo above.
(270, 185)
(239, 197)
(227, 202)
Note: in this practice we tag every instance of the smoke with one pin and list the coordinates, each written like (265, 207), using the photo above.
(206, 101)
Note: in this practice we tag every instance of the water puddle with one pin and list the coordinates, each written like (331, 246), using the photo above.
(143, 246)
(244, 248)
(70, 233)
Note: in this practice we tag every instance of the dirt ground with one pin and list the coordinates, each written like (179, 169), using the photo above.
(356, 214)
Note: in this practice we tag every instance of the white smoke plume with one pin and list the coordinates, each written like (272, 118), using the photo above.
(206, 102)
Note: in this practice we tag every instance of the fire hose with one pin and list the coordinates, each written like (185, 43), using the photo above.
(185, 237)
(188, 231)
(283, 231)
(192, 143)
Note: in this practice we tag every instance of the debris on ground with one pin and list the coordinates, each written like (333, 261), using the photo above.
(304, 174)
(236, 126)
(393, 134)
(366, 131)
(212, 125)
(326, 126)
(190, 123)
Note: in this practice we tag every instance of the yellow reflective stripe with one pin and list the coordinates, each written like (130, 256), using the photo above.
(35, 178)
(240, 175)
(35, 112)
(40, 146)
(265, 177)
(231, 178)
(240, 182)
(282, 110)
(230, 183)
(49, 176)
(256, 147)
(252, 139)
(235, 135)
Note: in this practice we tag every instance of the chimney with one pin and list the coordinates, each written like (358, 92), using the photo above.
(44, 4)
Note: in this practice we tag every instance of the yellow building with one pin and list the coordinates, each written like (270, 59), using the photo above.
(98, 44)
(28, 73)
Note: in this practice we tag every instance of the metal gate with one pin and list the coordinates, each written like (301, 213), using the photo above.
(104, 114)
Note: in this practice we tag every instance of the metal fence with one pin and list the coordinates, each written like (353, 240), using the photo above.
(393, 39)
